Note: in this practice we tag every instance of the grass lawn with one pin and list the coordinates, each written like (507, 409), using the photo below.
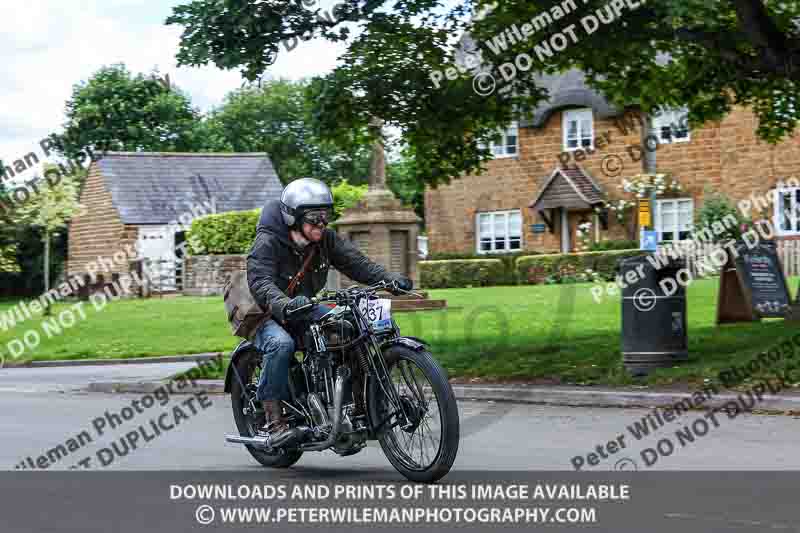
(550, 333)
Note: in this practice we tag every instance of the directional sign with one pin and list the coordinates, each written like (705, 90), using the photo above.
(645, 218)
(648, 240)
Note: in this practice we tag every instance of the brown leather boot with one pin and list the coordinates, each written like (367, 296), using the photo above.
(276, 424)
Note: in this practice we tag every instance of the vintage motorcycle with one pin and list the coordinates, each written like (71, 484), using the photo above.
(359, 380)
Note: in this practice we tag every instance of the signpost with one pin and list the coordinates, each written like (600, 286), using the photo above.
(753, 286)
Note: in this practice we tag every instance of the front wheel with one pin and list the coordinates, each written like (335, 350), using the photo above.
(423, 447)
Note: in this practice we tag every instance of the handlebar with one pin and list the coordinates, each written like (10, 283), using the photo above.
(349, 293)
(290, 312)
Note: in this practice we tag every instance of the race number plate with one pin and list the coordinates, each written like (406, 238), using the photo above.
(378, 311)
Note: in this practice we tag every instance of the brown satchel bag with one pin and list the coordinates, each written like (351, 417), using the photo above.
(245, 315)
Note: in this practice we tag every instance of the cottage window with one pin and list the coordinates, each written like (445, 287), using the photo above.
(674, 219)
(787, 211)
(672, 126)
(505, 143)
(499, 231)
(578, 129)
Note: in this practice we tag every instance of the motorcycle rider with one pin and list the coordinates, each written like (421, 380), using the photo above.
(288, 231)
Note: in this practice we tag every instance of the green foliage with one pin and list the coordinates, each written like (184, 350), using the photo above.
(509, 260)
(346, 196)
(401, 178)
(461, 273)
(8, 259)
(115, 110)
(225, 233)
(569, 267)
(718, 212)
(720, 54)
(8, 226)
(605, 245)
(275, 117)
(51, 206)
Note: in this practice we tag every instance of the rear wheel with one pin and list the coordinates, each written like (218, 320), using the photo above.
(424, 448)
(249, 414)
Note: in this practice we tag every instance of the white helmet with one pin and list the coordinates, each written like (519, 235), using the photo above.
(303, 195)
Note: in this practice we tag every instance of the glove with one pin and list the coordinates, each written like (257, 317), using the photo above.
(296, 303)
(403, 284)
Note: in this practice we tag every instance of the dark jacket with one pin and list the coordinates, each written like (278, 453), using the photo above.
(274, 260)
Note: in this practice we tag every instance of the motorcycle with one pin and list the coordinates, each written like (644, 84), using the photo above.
(358, 380)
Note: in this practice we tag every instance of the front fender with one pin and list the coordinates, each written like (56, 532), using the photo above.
(412, 343)
(243, 348)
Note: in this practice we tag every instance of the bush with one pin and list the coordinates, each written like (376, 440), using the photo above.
(568, 268)
(621, 244)
(718, 212)
(461, 273)
(225, 233)
(508, 260)
(346, 196)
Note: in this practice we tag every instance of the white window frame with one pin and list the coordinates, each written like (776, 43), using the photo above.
(492, 215)
(500, 149)
(660, 205)
(794, 211)
(577, 115)
(671, 118)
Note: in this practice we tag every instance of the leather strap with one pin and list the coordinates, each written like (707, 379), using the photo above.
(301, 274)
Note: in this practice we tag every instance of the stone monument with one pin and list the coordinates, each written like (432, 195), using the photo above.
(384, 229)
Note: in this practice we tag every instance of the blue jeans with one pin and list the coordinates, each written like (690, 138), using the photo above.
(278, 348)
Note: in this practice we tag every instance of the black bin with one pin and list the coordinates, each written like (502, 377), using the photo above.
(653, 313)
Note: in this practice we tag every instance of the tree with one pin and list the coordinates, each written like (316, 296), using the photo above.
(276, 118)
(401, 177)
(50, 209)
(116, 110)
(8, 245)
(710, 55)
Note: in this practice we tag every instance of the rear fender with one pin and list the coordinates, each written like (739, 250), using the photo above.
(240, 351)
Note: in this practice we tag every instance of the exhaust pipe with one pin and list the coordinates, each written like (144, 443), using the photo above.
(267, 443)
(296, 434)
(342, 379)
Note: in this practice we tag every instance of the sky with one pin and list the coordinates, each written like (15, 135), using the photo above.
(47, 46)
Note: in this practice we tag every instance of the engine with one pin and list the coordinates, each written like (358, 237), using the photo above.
(338, 332)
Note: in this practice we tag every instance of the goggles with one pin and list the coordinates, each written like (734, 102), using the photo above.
(317, 217)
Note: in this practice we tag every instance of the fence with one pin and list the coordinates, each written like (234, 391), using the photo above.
(164, 275)
(788, 253)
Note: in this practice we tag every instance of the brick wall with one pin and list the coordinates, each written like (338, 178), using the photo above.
(99, 232)
(725, 156)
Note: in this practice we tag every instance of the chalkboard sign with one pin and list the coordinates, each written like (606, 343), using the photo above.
(753, 286)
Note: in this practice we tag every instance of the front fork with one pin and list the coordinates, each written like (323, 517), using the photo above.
(385, 378)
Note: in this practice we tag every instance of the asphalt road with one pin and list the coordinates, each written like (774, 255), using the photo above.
(495, 436)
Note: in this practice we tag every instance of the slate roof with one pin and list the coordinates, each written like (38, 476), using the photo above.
(156, 188)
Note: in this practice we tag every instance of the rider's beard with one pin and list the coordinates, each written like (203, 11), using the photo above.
(299, 239)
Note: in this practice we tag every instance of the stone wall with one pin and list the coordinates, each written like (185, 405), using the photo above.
(206, 275)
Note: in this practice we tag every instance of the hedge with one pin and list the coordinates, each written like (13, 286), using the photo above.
(461, 273)
(226, 233)
(537, 268)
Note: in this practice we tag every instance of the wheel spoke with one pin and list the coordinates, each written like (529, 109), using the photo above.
(404, 375)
